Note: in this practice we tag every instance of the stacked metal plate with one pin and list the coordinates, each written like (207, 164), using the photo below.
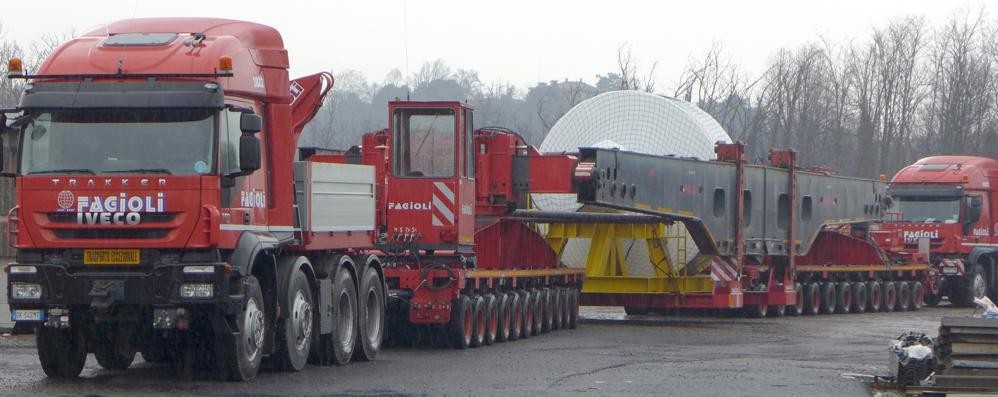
(634, 121)
(967, 352)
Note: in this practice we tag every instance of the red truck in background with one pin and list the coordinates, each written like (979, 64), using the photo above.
(946, 201)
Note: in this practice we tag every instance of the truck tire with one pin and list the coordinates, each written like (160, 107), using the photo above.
(917, 295)
(843, 293)
(559, 307)
(798, 308)
(975, 284)
(573, 309)
(113, 346)
(294, 332)
(238, 354)
(538, 301)
(337, 347)
(371, 319)
(635, 310)
(462, 322)
(874, 296)
(527, 309)
(566, 311)
(860, 300)
(548, 309)
(812, 299)
(478, 333)
(903, 296)
(491, 319)
(828, 297)
(932, 300)
(503, 304)
(889, 293)
(62, 352)
(515, 316)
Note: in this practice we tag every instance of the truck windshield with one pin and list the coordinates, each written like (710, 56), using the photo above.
(925, 210)
(107, 141)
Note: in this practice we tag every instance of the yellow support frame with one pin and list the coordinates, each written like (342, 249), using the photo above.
(606, 265)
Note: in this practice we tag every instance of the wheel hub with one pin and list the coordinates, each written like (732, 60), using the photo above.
(301, 321)
(253, 329)
(980, 287)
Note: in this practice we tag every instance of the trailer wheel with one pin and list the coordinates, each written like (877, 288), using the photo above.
(859, 297)
(527, 309)
(812, 299)
(502, 328)
(558, 297)
(238, 354)
(478, 335)
(515, 311)
(538, 301)
(829, 298)
(635, 310)
(890, 297)
(62, 352)
(113, 346)
(491, 319)
(932, 300)
(371, 321)
(843, 291)
(548, 310)
(566, 300)
(874, 295)
(798, 308)
(294, 332)
(573, 318)
(917, 295)
(462, 322)
(903, 296)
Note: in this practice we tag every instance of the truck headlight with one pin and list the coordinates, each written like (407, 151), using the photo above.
(25, 291)
(197, 290)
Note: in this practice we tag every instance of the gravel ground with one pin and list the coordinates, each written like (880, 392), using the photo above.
(610, 354)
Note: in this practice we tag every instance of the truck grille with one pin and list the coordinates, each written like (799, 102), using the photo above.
(110, 234)
(154, 217)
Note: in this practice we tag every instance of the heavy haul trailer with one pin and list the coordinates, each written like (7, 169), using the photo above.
(163, 207)
(947, 201)
(458, 268)
(773, 239)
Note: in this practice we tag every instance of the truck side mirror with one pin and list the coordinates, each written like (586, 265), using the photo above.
(249, 153)
(250, 123)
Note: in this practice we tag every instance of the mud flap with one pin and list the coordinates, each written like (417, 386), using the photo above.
(325, 306)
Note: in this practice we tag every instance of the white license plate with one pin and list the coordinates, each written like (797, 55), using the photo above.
(27, 315)
(950, 270)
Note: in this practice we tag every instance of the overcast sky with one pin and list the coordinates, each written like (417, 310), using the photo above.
(520, 42)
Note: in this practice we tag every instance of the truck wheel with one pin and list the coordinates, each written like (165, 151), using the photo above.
(371, 321)
(62, 352)
(239, 353)
(573, 309)
(975, 285)
(828, 297)
(478, 335)
(932, 300)
(890, 297)
(294, 332)
(547, 307)
(491, 319)
(527, 308)
(798, 308)
(113, 346)
(843, 291)
(515, 316)
(859, 297)
(903, 296)
(812, 299)
(917, 295)
(538, 302)
(503, 303)
(462, 322)
(339, 345)
(874, 296)
(635, 310)
(566, 302)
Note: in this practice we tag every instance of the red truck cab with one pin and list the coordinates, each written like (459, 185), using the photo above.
(947, 200)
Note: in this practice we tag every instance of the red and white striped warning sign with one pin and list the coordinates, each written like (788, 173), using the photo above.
(723, 268)
(443, 205)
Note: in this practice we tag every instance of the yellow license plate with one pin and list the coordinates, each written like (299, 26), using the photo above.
(111, 257)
